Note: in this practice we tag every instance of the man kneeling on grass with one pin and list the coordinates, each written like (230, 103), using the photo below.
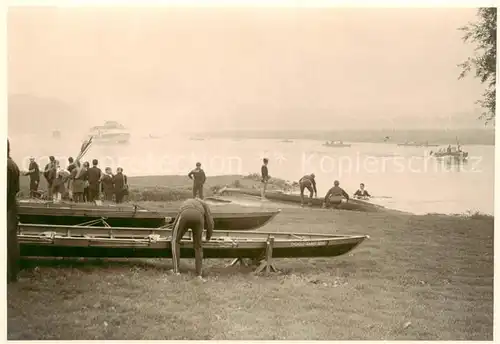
(193, 214)
(334, 196)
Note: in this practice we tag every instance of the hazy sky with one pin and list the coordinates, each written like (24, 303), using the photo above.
(253, 68)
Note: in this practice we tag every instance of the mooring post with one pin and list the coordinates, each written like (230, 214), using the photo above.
(269, 253)
(268, 261)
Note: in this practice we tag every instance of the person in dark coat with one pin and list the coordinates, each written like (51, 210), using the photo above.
(86, 193)
(308, 182)
(265, 178)
(78, 177)
(198, 177)
(58, 184)
(108, 188)
(335, 195)
(71, 164)
(94, 175)
(12, 219)
(69, 184)
(362, 193)
(49, 173)
(193, 214)
(34, 174)
(120, 184)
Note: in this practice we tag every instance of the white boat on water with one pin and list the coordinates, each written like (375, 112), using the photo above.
(111, 132)
(336, 144)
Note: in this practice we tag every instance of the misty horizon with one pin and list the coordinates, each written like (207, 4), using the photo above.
(252, 69)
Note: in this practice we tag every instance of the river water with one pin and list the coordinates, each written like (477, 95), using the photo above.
(403, 178)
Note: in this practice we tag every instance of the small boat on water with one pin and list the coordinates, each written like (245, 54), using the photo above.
(280, 196)
(455, 153)
(111, 132)
(336, 144)
(48, 213)
(38, 240)
(286, 141)
(417, 144)
(56, 134)
(197, 139)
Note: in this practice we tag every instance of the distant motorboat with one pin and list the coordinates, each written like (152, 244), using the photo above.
(111, 132)
(336, 144)
(286, 141)
(417, 144)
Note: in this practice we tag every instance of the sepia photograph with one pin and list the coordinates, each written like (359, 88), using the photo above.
(250, 172)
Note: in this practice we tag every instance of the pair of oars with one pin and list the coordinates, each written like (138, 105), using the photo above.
(84, 149)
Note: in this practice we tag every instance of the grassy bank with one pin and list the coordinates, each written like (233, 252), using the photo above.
(417, 277)
(174, 188)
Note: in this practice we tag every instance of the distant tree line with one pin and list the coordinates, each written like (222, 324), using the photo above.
(483, 34)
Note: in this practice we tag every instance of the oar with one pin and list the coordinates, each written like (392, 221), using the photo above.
(84, 148)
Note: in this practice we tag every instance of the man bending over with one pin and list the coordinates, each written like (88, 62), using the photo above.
(193, 214)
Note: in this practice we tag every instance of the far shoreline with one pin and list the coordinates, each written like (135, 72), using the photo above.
(466, 136)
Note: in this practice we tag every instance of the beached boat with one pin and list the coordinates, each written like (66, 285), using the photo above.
(111, 132)
(336, 144)
(82, 241)
(130, 215)
(280, 196)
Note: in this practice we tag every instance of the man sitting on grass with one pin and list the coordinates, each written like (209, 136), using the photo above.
(193, 214)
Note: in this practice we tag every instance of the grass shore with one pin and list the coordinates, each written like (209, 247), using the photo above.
(173, 188)
(417, 277)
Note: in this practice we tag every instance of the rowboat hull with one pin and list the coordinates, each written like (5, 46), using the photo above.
(80, 241)
(353, 204)
(129, 216)
(453, 155)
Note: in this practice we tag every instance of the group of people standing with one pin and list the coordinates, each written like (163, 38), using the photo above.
(82, 182)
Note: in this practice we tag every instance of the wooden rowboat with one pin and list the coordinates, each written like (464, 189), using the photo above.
(353, 204)
(130, 216)
(83, 241)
